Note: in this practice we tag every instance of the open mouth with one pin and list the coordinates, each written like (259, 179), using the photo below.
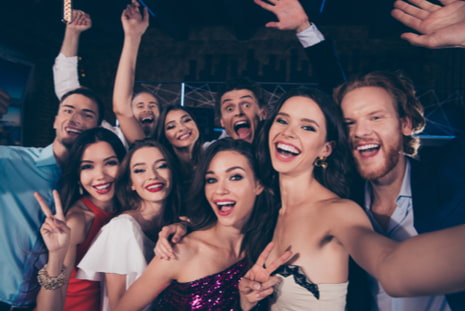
(368, 149)
(184, 136)
(147, 120)
(103, 188)
(287, 150)
(225, 207)
(243, 129)
(155, 187)
(72, 131)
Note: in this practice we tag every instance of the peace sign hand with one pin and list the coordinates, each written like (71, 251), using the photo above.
(54, 231)
(258, 282)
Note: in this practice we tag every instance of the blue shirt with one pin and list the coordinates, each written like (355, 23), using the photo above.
(400, 227)
(23, 171)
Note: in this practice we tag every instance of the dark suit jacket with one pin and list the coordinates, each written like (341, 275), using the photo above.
(438, 198)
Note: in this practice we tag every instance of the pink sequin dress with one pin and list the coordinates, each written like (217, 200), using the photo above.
(214, 292)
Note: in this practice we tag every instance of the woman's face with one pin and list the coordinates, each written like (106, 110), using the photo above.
(98, 170)
(231, 188)
(298, 136)
(150, 175)
(180, 129)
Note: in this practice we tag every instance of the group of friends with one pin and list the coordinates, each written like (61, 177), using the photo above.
(322, 203)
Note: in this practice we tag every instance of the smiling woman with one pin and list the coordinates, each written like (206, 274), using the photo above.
(232, 215)
(147, 188)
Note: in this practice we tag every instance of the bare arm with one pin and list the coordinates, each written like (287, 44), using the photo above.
(427, 264)
(438, 26)
(134, 26)
(152, 282)
(65, 69)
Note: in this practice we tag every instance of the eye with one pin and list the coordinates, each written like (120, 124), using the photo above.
(89, 116)
(187, 120)
(229, 108)
(112, 163)
(349, 123)
(170, 127)
(69, 111)
(86, 167)
(162, 165)
(374, 118)
(309, 128)
(139, 170)
(236, 177)
(247, 105)
(280, 120)
(210, 180)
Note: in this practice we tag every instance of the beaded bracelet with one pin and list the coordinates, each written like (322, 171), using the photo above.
(50, 282)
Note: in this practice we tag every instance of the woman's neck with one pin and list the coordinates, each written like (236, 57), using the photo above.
(228, 238)
(298, 189)
(184, 153)
(149, 217)
(108, 206)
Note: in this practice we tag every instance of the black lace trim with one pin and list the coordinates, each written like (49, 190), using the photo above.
(299, 277)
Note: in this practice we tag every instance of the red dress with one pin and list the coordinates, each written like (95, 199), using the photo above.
(84, 294)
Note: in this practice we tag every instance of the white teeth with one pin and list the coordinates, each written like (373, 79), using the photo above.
(73, 131)
(155, 186)
(225, 203)
(102, 187)
(241, 122)
(367, 147)
(288, 148)
(147, 119)
(184, 136)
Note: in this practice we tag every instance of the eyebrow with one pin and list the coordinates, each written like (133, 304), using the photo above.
(227, 170)
(106, 159)
(173, 121)
(144, 163)
(302, 119)
(73, 107)
(243, 97)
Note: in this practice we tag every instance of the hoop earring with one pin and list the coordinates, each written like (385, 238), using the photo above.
(321, 162)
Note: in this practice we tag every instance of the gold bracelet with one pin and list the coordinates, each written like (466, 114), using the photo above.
(51, 282)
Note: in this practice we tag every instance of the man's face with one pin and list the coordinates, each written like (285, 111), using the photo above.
(146, 110)
(240, 114)
(75, 114)
(375, 131)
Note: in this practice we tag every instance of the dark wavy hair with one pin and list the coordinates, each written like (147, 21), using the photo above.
(162, 138)
(87, 92)
(260, 226)
(71, 172)
(336, 176)
(130, 200)
(402, 90)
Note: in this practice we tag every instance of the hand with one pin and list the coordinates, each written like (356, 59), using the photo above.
(290, 14)
(134, 23)
(80, 22)
(54, 231)
(258, 282)
(4, 102)
(439, 26)
(168, 236)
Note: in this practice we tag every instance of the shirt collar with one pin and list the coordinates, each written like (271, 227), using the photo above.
(46, 157)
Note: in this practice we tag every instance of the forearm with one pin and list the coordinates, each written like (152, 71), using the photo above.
(51, 300)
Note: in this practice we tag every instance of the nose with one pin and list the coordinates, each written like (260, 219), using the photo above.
(221, 187)
(239, 110)
(100, 173)
(288, 131)
(360, 129)
(76, 118)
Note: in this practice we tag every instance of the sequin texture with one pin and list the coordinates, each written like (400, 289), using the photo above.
(212, 293)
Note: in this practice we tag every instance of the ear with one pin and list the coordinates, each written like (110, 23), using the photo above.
(221, 121)
(55, 121)
(262, 114)
(258, 188)
(133, 187)
(328, 147)
(406, 126)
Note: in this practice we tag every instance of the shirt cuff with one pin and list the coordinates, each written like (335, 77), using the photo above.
(310, 36)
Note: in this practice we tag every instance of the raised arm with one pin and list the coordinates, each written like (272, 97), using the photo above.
(427, 264)
(65, 69)
(438, 26)
(56, 235)
(134, 25)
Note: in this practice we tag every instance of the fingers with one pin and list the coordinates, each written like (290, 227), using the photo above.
(265, 254)
(425, 5)
(264, 5)
(45, 208)
(164, 250)
(58, 206)
(279, 262)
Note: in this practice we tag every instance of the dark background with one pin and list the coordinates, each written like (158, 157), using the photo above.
(213, 40)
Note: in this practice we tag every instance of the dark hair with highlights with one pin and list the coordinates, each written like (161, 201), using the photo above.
(336, 176)
(71, 172)
(260, 226)
(87, 92)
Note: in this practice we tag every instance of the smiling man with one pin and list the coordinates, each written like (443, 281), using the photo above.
(26, 170)
(403, 197)
(240, 109)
